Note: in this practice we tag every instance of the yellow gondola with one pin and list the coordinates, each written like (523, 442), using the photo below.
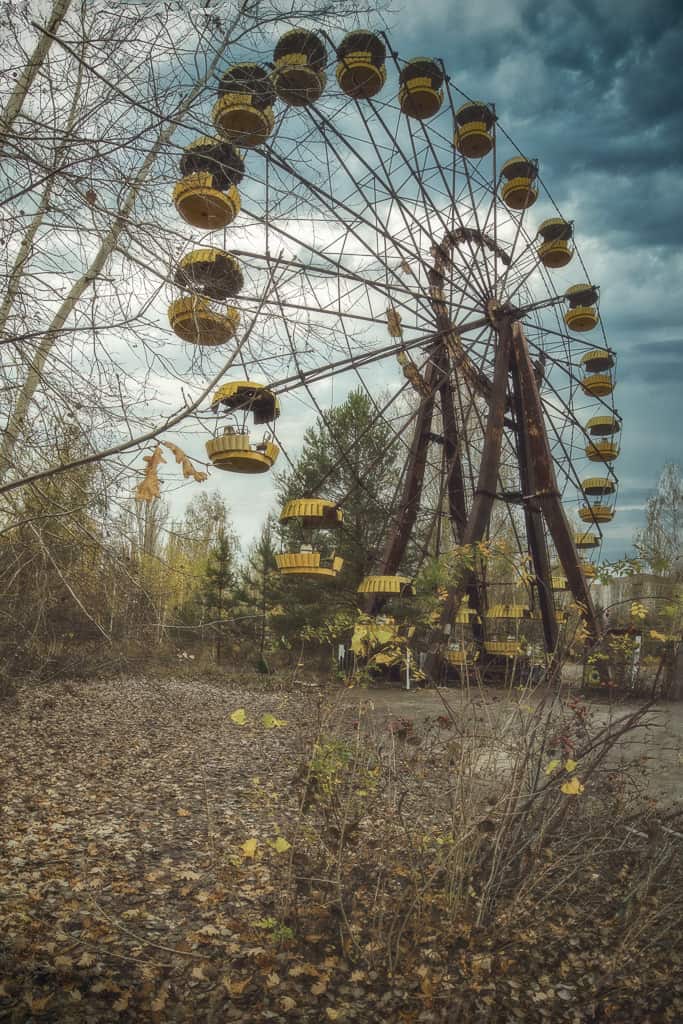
(213, 273)
(420, 94)
(506, 648)
(597, 513)
(233, 450)
(598, 486)
(397, 585)
(308, 563)
(519, 192)
(461, 656)
(312, 514)
(509, 611)
(473, 129)
(243, 112)
(194, 319)
(597, 385)
(202, 205)
(582, 314)
(587, 540)
(245, 395)
(298, 76)
(555, 250)
(206, 196)
(597, 360)
(603, 426)
(558, 582)
(602, 451)
(588, 569)
(361, 70)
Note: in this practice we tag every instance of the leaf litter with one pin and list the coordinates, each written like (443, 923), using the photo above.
(150, 849)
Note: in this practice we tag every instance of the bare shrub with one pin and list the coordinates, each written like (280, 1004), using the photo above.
(507, 845)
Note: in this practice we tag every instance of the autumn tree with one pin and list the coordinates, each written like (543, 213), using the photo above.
(659, 544)
(217, 587)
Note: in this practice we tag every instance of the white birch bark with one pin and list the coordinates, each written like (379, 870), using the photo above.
(27, 76)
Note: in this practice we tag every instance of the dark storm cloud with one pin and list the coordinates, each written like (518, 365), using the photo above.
(591, 88)
(661, 361)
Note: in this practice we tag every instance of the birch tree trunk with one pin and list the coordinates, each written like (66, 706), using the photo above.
(34, 375)
(27, 77)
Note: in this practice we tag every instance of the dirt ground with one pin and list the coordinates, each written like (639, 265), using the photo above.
(129, 888)
(658, 746)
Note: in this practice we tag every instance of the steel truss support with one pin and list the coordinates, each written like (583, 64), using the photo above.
(547, 495)
(409, 505)
(533, 515)
(537, 477)
(484, 497)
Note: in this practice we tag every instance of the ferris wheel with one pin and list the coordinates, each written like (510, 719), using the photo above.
(388, 228)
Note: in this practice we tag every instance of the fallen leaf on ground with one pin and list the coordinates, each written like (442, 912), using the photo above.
(249, 848)
(236, 986)
(271, 722)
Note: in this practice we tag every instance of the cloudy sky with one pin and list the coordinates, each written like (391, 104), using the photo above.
(593, 89)
(594, 92)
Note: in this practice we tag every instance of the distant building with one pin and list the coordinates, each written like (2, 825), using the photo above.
(616, 597)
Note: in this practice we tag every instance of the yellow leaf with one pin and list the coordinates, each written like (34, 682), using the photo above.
(287, 1003)
(271, 722)
(149, 488)
(332, 1014)
(570, 765)
(239, 717)
(122, 1004)
(198, 973)
(249, 848)
(573, 787)
(87, 960)
(280, 845)
(426, 986)
(552, 766)
(182, 812)
(183, 460)
(319, 987)
(272, 980)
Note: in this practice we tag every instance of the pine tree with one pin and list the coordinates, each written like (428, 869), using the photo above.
(349, 456)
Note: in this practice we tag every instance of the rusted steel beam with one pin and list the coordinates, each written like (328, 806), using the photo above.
(484, 496)
(533, 515)
(547, 494)
(457, 507)
(409, 504)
